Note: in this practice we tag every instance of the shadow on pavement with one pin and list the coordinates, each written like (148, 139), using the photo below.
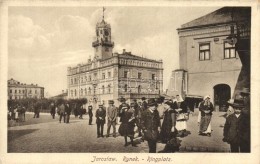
(14, 134)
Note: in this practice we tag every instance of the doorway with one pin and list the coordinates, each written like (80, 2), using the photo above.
(222, 93)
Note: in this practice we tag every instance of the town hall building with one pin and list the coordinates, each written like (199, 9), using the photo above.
(110, 76)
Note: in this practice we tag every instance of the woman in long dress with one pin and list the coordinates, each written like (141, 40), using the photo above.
(127, 126)
(181, 110)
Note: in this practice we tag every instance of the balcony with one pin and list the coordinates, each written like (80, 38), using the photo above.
(102, 43)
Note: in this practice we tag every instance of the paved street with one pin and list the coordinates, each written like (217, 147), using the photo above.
(48, 135)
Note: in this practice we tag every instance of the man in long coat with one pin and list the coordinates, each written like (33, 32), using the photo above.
(90, 114)
(100, 120)
(150, 124)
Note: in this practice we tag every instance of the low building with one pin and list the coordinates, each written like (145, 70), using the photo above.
(18, 90)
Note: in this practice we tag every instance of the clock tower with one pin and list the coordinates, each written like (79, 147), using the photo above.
(103, 45)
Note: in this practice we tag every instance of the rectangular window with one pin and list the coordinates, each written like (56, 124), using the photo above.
(153, 76)
(204, 51)
(125, 74)
(103, 75)
(109, 74)
(139, 75)
(10, 90)
(35, 91)
(15, 91)
(229, 51)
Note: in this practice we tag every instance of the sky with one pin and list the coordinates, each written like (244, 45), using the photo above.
(44, 41)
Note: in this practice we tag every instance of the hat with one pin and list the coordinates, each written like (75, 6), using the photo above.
(245, 91)
(151, 102)
(237, 103)
(143, 98)
(132, 105)
(207, 96)
(122, 99)
(168, 103)
(110, 102)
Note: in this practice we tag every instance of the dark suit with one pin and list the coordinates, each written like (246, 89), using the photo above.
(150, 122)
(235, 132)
(67, 113)
(90, 113)
(100, 120)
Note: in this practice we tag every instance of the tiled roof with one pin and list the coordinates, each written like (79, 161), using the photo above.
(128, 55)
(220, 16)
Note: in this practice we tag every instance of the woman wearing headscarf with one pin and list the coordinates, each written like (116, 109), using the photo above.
(181, 110)
(206, 109)
(127, 126)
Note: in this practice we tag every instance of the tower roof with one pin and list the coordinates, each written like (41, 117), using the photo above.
(103, 24)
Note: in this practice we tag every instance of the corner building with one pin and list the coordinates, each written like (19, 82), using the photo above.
(109, 76)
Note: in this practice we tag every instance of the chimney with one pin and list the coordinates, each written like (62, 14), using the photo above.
(62, 91)
(123, 51)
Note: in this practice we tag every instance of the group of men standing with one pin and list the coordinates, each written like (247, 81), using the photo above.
(147, 116)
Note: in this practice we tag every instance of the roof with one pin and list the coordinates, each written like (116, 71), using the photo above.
(62, 95)
(103, 24)
(15, 83)
(220, 16)
(129, 55)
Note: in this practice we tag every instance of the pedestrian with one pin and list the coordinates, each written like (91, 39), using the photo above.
(161, 107)
(127, 126)
(67, 112)
(233, 134)
(23, 111)
(138, 114)
(52, 110)
(168, 131)
(150, 123)
(181, 110)
(80, 111)
(111, 118)
(245, 126)
(206, 109)
(75, 110)
(144, 103)
(123, 103)
(100, 120)
(90, 114)
(61, 112)
(16, 112)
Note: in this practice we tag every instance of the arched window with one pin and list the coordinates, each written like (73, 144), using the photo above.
(89, 91)
(81, 92)
(108, 88)
(75, 92)
(71, 93)
(86, 91)
(103, 89)
(139, 89)
(125, 87)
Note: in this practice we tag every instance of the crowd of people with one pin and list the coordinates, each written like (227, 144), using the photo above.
(155, 120)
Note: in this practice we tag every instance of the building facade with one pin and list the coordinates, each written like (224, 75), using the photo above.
(18, 90)
(214, 55)
(109, 76)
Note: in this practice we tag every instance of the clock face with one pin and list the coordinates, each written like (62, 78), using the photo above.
(106, 32)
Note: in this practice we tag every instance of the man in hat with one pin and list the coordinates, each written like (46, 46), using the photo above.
(90, 114)
(111, 117)
(150, 124)
(245, 128)
(232, 128)
(100, 120)
(144, 104)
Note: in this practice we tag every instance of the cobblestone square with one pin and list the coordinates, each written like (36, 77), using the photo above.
(47, 135)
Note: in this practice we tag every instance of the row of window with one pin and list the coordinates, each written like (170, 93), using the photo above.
(204, 51)
(19, 97)
(138, 63)
(22, 91)
(139, 76)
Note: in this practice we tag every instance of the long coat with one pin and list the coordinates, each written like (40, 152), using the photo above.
(128, 123)
(169, 121)
(101, 113)
(233, 129)
(150, 122)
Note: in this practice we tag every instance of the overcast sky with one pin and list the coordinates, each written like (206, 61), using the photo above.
(44, 41)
